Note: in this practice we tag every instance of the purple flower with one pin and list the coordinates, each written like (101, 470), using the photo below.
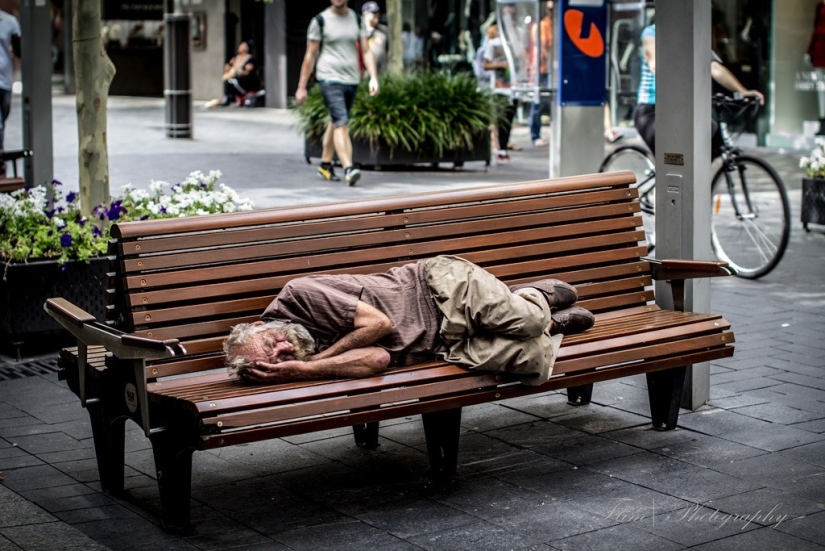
(50, 213)
(162, 209)
(71, 197)
(96, 231)
(66, 240)
(116, 210)
(57, 183)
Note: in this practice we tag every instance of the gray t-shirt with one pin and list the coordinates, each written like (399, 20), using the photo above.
(338, 59)
(8, 28)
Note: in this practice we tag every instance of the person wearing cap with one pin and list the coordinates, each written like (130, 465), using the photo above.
(332, 53)
(377, 37)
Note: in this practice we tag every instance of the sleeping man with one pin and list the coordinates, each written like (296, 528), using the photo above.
(343, 326)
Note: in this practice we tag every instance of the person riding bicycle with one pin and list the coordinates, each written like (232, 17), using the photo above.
(644, 117)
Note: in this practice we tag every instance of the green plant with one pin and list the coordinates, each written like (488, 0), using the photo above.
(418, 112)
(31, 226)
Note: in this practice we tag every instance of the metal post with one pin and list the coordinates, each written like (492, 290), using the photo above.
(177, 74)
(683, 119)
(37, 91)
(275, 54)
(68, 50)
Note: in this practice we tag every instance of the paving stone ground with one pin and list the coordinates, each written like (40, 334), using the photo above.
(745, 471)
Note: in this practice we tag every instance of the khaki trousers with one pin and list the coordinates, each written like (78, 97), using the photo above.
(488, 327)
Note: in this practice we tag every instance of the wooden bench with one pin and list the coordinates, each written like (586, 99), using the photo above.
(13, 183)
(177, 286)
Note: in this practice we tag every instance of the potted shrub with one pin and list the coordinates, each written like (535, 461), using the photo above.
(48, 248)
(418, 118)
(813, 187)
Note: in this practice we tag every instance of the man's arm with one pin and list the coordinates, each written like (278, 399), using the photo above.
(369, 63)
(310, 57)
(723, 76)
(361, 362)
(369, 326)
(649, 51)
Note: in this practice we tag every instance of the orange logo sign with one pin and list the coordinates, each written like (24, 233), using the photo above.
(593, 45)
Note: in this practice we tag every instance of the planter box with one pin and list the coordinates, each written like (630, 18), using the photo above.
(813, 201)
(24, 288)
(378, 154)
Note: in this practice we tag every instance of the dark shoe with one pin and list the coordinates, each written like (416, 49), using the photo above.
(572, 320)
(352, 175)
(558, 294)
(328, 173)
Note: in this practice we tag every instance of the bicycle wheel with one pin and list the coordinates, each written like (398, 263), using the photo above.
(750, 217)
(639, 161)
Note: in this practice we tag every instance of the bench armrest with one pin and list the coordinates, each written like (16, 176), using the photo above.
(688, 269)
(677, 271)
(132, 348)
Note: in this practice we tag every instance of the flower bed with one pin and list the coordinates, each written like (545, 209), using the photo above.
(49, 248)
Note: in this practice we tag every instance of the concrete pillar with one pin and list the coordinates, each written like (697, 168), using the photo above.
(37, 91)
(275, 54)
(683, 120)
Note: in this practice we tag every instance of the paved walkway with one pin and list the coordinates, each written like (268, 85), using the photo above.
(746, 471)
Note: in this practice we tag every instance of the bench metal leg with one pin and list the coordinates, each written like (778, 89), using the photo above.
(366, 435)
(442, 428)
(109, 437)
(664, 390)
(173, 463)
(579, 395)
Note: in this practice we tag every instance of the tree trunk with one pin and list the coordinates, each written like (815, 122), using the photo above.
(93, 71)
(396, 65)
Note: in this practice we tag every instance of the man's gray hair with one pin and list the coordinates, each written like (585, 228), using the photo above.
(235, 344)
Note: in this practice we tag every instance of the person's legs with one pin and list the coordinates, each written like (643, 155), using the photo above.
(343, 145)
(328, 150)
(644, 119)
(472, 299)
(5, 109)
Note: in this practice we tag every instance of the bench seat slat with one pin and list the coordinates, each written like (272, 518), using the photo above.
(480, 382)
(255, 434)
(621, 338)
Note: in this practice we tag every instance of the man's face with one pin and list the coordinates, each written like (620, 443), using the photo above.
(339, 3)
(371, 18)
(268, 346)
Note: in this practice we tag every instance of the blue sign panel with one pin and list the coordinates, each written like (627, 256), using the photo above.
(582, 26)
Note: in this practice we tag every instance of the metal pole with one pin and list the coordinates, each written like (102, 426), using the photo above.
(37, 91)
(177, 74)
(275, 56)
(683, 157)
(68, 50)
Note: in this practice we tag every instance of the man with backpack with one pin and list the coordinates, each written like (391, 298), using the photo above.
(333, 54)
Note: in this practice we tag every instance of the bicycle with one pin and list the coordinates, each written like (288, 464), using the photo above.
(750, 210)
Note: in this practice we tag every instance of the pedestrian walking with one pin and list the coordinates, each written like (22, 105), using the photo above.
(334, 56)
(9, 44)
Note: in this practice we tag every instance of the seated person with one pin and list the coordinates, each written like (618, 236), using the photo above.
(443, 307)
(240, 75)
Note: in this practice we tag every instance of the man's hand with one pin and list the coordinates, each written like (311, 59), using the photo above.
(301, 96)
(373, 87)
(755, 94)
(281, 372)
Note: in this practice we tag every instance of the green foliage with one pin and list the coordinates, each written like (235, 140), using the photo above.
(32, 227)
(417, 112)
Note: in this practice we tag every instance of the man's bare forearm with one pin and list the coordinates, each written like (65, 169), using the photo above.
(362, 337)
(361, 362)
